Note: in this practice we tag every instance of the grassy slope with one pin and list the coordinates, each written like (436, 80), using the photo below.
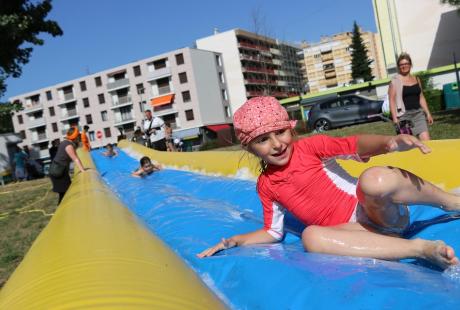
(24, 209)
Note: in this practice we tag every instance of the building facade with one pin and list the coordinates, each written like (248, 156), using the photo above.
(426, 29)
(328, 63)
(185, 87)
(256, 65)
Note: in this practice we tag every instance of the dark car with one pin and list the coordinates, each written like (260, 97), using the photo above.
(342, 111)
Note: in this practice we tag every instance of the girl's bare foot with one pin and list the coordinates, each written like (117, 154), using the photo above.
(440, 254)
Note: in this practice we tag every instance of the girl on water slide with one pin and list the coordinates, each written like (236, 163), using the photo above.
(362, 217)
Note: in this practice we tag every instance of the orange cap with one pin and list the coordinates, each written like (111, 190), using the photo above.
(74, 134)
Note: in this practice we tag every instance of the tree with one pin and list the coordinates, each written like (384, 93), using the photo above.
(360, 62)
(453, 3)
(21, 21)
(6, 109)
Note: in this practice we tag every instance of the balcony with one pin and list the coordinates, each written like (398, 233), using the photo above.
(282, 83)
(34, 107)
(118, 84)
(277, 62)
(41, 137)
(121, 102)
(330, 74)
(158, 74)
(258, 70)
(275, 51)
(162, 91)
(42, 154)
(123, 119)
(253, 46)
(165, 110)
(68, 97)
(69, 114)
(36, 123)
(259, 81)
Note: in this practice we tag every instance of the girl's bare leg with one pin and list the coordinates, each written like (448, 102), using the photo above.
(352, 239)
(382, 187)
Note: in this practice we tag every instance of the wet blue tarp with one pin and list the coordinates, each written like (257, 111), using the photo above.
(191, 212)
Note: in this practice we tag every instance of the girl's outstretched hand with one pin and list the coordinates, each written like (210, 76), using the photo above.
(403, 143)
(223, 245)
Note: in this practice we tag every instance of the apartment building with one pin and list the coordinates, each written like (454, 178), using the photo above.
(256, 65)
(328, 62)
(426, 29)
(185, 87)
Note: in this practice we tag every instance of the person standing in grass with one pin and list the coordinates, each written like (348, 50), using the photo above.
(66, 153)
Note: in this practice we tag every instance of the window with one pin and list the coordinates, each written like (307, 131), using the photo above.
(227, 111)
(85, 102)
(83, 86)
(140, 88)
(180, 59)
(91, 136)
(49, 96)
(186, 96)
(22, 134)
(183, 77)
(159, 64)
(221, 77)
(20, 120)
(98, 81)
(218, 60)
(224, 94)
(104, 116)
(89, 119)
(52, 113)
(101, 98)
(107, 132)
(55, 127)
(189, 115)
(142, 106)
(137, 70)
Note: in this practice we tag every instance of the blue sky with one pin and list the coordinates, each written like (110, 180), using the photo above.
(100, 34)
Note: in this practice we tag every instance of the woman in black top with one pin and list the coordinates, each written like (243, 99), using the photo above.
(65, 154)
(407, 103)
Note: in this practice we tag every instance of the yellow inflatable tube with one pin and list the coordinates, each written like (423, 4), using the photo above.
(441, 166)
(95, 254)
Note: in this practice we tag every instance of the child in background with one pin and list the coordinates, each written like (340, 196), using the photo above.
(362, 217)
(146, 168)
(110, 151)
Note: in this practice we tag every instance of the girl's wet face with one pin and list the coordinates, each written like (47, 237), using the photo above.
(275, 148)
(148, 167)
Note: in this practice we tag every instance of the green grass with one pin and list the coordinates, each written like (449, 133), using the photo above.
(446, 126)
(25, 209)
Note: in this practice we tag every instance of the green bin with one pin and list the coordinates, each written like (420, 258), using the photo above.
(451, 97)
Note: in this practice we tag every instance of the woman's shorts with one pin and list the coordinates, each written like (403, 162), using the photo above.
(418, 119)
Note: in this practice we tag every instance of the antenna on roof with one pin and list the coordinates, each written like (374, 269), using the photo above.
(216, 30)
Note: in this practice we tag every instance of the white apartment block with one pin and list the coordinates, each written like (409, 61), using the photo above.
(185, 87)
(427, 30)
(256, 65)
(328, 62)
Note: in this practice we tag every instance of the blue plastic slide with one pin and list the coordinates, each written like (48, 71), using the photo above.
(191, 212)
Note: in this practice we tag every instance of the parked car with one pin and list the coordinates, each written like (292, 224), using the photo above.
(343, 111)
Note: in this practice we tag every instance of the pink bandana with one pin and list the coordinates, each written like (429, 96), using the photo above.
(260, 115)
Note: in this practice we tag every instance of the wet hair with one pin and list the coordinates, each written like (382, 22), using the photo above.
(109, 145)
(147, 111)
(145, 160)
(404, 56)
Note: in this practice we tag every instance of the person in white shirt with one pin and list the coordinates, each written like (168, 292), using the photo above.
(154, 130)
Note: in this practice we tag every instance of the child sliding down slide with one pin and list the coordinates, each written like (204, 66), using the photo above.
(362, 217)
